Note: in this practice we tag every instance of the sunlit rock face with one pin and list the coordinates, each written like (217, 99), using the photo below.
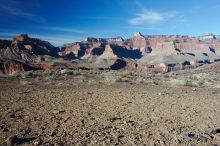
(12, 67)
(23, 53)
(139, 42)
(140, 52)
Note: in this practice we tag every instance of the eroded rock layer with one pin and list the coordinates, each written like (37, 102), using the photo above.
(140, 52)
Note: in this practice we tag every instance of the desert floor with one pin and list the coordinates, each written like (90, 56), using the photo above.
(86, 111)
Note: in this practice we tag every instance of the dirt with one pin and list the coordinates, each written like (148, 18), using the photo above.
(74, 112)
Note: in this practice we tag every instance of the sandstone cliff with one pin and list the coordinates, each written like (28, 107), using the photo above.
(140, 52)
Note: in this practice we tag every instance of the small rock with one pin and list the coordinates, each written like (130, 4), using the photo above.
(37, 142)
(26, 118)
(63, 71)
(71, 133)
(107, 141)
(89, 100)
(115, 119)
(53, 133)
(59, 134)
(90, 93)
(56, 125)
(190, 135)
(56, 144)
(216, 131)
(15, 140)
(194, 89)
(59, 84)
(62, 111)
(57, 111)
(25, 92)
(10, 141)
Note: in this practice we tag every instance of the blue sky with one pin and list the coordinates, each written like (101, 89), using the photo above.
(65, 21)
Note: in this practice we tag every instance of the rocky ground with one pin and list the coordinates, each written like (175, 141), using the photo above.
(94, 109)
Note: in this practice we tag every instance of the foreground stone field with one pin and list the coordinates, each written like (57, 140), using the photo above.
(84, 110)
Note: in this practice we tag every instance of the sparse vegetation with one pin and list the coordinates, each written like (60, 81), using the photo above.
(127, 76)
(1, 138)
(131, 103)
(135, 77)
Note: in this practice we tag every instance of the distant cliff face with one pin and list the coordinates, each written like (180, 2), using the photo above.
(155, 44)
(153, 51)
(22, 53)
(11, 67)
(137, 53)
(35, 46)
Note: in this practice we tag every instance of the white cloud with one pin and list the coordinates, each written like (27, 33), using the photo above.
(151, 17)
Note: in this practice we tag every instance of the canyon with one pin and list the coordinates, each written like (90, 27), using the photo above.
(151, 90)
(162, 53)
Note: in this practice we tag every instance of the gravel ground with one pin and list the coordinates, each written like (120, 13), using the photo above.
(86, 111)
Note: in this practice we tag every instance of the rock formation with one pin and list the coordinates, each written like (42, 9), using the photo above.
(139, 42)
(11, 67)
(21, 54)
(137, 53)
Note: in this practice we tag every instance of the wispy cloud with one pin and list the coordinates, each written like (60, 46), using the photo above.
(200, 8)
(216, 6)
(3, 34)
(57, 39)
(54, 39)
(151, 17)
(99, 17)
(197, 8)
(142, 27)
(148, 16)
(181, 19)
(63, 29)
(15, 11)
(139, 4)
